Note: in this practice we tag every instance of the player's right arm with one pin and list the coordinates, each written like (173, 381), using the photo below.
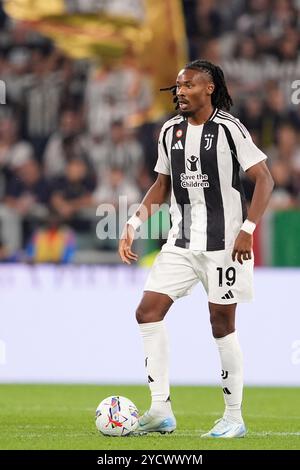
(156, 196)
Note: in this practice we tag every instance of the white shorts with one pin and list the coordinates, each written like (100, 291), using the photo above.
(177, 270)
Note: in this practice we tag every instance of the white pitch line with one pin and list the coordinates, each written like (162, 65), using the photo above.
(198, 432)
(273, 433)
(177, 434)
(177, 413)
(248, 415)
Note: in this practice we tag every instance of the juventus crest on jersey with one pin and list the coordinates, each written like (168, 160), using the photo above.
(207, 203)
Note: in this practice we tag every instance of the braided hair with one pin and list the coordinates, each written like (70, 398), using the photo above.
(220, 97)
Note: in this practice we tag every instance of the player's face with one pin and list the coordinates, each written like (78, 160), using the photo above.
(194, 90)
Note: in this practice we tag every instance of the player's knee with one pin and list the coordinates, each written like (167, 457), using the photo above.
(146, 315)
(221, 325)
(219, 331)
(140, 315)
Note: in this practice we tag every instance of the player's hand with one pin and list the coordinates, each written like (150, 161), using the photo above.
(125, 243)
(242, 249)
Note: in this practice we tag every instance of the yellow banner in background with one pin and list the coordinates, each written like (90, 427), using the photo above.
(33, 9)
(166, 51)
(125, 10)
(152, 31)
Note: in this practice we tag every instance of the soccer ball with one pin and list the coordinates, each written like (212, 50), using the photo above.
(116, 416)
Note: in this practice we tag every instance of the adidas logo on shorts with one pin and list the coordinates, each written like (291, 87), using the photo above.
(228, 295)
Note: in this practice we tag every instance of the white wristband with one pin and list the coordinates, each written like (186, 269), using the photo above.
(248, 226)
(135, 222)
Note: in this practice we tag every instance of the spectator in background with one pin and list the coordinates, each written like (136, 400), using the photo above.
(211, 51)
(251, 116)
(98, 148)
(116, 93)
(73, 76)
(72, 194)
(287, 48)
(16, 42)
(100, 104)
(274, 113)
(285, 167)
(27, 191)
(115, 185)
(283, 196)
(124, 150)
(12, 153)
(17, 66)
(247, 65)
(67, 142)
(204, 21)
(208, 18)
(42, 94)
(286, 146)
(133, 94)
(3, 16)
(255, 17)
(11, 150)
(53, 243)
(27, 194)
(280, 17)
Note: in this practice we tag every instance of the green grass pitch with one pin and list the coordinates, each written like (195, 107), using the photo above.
(62, 417)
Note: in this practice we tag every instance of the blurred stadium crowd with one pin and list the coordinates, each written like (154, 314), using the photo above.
(67, 142)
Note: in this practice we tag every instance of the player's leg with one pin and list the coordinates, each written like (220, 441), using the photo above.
(172, 276)
(222, 318)
(228, 283)
(150, 315)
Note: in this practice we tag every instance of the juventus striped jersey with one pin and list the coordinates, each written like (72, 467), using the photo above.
(207, 203)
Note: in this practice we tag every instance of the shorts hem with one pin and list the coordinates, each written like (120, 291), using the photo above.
(159, 291)
(230, 301)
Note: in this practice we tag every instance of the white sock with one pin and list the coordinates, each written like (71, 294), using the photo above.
(232, 374)
(156, 350)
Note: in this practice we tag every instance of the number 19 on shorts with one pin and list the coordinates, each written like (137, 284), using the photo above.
(228, 276)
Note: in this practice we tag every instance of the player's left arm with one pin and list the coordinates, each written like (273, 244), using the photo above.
(264, 183)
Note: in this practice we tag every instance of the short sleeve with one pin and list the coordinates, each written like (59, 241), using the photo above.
(163, 162)
(248, 154)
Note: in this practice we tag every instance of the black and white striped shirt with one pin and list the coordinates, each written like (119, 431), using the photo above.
(207, 203)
